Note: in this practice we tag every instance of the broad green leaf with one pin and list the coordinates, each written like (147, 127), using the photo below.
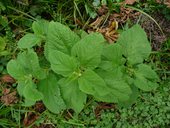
(28, 103)
(4, 53)
(73, 97)
(110, 97)
(28, 41)
(28, 90)
(40, 27)
(106, 65)
(60, 38)
(52, 98)
(88, 50)
(146, 78)
(91, 83)
(132, 99)
(117, 93)
(135, 44)
(30, 63)
(2, 44)
(31, 93)
(144, 84)
(22, 84)
(117, 73)
(113, 53)
(62, 63)
(25, 67)
(21, 87)
(81, 33)
(128, 79)
(147, 72)
(119, 90)
(16, 70)
(114, 79)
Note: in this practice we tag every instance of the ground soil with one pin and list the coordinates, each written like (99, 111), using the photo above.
(153, 31)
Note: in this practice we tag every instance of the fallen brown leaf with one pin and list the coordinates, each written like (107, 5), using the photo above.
(102, 106)
(30, 119)
(39, 107)
(108, 25)
(6, 91)
(124, 15)
(9, 98)
(109, 30)
(102, 10)
(130, 2)
(7, 79)
(166, 2)
(98, 22)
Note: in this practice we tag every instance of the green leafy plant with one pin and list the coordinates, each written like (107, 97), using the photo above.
(81, 67)
(3, 51)
(151, 110)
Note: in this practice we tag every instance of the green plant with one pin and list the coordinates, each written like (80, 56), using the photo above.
(9, 116)
(3, 51)
(150, 110)
(81, 66)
